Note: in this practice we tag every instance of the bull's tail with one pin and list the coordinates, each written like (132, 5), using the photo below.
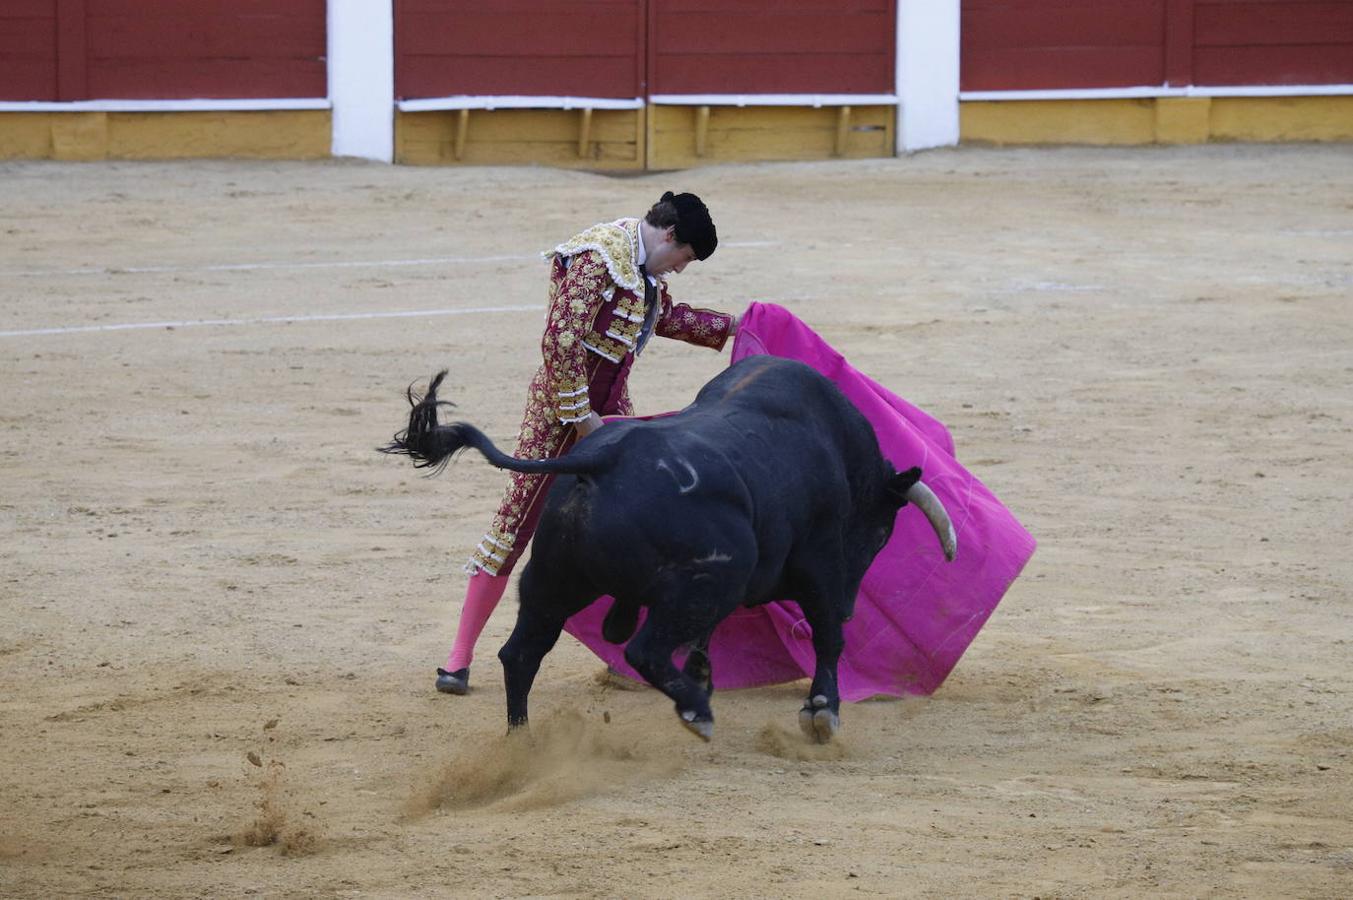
(431, 445)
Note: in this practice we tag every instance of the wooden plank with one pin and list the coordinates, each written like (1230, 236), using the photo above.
(188, 36)
(430, 76)
(538, 48)
(584, 132)
(206, 9)
(27, 9)
(1057, 23)
(32, 39)
(819, 73)
(1057, 68)
(1268, 65)
(1260, 23)
(842, 131)
(72, 75)
(1179, 25)
(164, 49)
(28, 61)
(452, 8)
(748, 33)
(774, 7)
(27, 80)
(499, 34)
(157, 79)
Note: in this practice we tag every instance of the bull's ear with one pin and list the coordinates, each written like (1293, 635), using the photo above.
(901, 482)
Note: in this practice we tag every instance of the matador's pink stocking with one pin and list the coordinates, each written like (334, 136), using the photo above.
(481, 596)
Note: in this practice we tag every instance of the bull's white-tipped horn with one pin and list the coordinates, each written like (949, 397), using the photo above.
(937, 515)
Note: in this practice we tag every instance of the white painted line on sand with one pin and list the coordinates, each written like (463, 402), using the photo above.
(331, 264)
(265, 320)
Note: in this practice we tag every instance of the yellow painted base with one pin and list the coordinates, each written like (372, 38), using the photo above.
(1165, 120)
(681, 137)
(264, 134)
(611, 139)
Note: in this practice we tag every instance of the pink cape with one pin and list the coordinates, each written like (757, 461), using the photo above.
(915, 614)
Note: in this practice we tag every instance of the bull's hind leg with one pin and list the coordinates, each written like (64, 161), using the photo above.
(540, 621)
(670, 624)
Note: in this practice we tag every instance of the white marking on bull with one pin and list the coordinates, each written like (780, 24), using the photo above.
(690, 470)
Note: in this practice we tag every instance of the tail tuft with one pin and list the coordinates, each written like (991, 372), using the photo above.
(427, 443)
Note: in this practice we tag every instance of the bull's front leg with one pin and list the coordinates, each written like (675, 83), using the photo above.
(697, 666)
(650, 653)
(820, 717)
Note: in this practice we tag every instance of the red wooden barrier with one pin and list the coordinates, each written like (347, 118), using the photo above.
(28, 50)
(70, 50)
(1057, 44)
(772, 46)
(1065, 44)
(589, 48)
(1257, 42)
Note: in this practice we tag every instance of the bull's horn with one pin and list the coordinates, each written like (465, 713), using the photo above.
(935, 513)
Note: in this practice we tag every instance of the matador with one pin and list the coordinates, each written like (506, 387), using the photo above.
(608, 295)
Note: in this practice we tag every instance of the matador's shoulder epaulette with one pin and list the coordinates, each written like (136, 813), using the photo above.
(616, 242)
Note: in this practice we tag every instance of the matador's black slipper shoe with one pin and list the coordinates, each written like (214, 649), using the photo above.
(457, 682)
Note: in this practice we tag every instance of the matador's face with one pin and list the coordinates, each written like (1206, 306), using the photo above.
(669, 255)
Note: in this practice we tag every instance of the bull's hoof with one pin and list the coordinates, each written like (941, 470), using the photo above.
(457, 682)
(817, 722)
(701, 728)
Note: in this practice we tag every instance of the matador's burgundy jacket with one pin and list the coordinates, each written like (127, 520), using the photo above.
(597, 307)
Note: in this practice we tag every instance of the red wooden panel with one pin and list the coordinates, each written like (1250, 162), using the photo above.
(1273, 42)
(1179, 42)
(746, 34)
(495, 34)
(1305, 64)
(159, 79)
(26, 9)
(166, 49)
(152, 9)
(426, 76)
(826, 7)
(750, 47)
(822, 73)
(1062, 24)
(184, 36)
(72, 73)
(28, 50)
(1045, 68)
(537, 47)
(1233, 24)
(27, 80)
(1061, 44)
(28, 38)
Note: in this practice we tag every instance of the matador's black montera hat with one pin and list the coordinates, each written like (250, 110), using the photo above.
(693, 225)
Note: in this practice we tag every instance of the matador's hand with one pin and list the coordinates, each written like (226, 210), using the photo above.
(588, 425)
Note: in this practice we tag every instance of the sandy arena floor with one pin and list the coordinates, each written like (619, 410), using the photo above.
(220, 611)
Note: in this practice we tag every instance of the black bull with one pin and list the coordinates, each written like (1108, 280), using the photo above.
(769, 486)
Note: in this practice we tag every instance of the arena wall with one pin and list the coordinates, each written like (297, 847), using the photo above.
(652, 84)
(1156, 71)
